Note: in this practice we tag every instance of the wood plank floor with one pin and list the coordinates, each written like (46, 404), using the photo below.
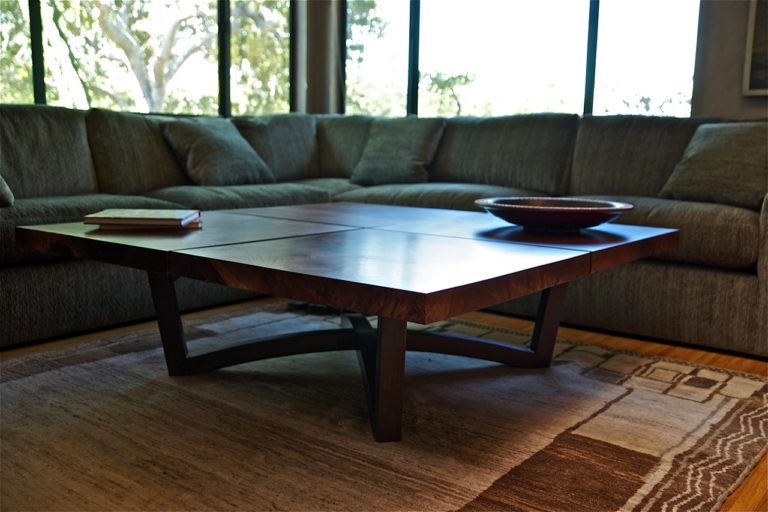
(752, 495)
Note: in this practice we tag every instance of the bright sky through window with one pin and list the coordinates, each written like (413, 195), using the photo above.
(496, 57)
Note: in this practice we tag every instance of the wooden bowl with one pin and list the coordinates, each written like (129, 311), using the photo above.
(553, 213)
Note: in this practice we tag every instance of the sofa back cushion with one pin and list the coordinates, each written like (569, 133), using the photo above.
(6, 194)
(341, 140)
(45, 151)
(286, 142)
(398, 151)
(724, 163)
(214, 153)
(628, 155)
(130, 154)
(523, 151)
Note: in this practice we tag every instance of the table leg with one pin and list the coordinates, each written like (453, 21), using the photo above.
(538, 355)
(381, 351)
(180, 362)
(382, 362)
(547, 323)
(169, 322)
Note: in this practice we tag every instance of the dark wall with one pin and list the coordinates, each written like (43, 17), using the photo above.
(717, 80)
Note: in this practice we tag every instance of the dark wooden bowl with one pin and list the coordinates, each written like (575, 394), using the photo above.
(553, 213)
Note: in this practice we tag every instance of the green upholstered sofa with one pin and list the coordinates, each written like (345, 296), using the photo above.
(58, 164)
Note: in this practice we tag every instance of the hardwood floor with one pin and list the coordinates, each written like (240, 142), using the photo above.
(751, 496)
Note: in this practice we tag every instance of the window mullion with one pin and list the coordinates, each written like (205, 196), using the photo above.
(36, 43)
(412, 101)
(225, 56)
(589, 82)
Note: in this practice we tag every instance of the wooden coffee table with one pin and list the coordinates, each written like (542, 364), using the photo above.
(400, 264)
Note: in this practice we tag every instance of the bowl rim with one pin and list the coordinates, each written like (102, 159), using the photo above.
(600, 204)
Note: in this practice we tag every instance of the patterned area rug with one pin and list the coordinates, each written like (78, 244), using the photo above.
(103, 427)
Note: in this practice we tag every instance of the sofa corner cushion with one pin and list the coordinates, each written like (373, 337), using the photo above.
(129, 153)
(45, 151)
(214, 153)
(6, 195)
(398, 151)
(724, 163)
(531, 151)
(628, 154)
(455, 196)
(286, 142)
(340, 143)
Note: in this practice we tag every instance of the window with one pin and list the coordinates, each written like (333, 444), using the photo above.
(141, 55)
(15, 53)
(645, 57)
(494, 57)
(148, 55)
(260, 47)
(377, 57)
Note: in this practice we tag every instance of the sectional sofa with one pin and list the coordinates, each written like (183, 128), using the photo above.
(707, 177)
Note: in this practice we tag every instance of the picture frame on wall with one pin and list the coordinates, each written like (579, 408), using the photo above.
(756, 55)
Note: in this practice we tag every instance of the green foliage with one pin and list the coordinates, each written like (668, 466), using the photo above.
(445, 91)
(106, 53)
(260, 76)
(15, 54)
(112, 54)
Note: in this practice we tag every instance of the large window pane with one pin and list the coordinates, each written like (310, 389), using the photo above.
(259, 77)
(15, 53)
(377, 56)
(139, 55)
(645, 57)
(492, 57)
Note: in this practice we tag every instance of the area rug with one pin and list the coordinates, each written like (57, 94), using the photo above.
(103, 427)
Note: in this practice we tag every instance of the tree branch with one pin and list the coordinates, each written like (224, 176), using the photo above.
(72, 59)
(167, 64)
(166, 52)
(120, 101)
(121, 36)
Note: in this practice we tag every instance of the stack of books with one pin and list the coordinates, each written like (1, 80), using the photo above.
(130, 218)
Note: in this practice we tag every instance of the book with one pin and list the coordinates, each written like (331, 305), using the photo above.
(149, 218)
(195, 224)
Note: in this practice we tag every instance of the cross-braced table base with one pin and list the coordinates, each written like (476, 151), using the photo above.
(381, 349)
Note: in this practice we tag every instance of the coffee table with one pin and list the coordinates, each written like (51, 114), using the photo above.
(400, 264)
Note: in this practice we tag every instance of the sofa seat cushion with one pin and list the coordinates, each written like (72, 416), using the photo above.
(334, 186)
(286, 142)
(44, 151)
(457, 196)
(523, 151)
(710, 234)
(130, 154)
(50, 210)
(242, 196)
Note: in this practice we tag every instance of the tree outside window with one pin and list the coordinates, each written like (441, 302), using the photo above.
(149, 55)
(15, 53)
